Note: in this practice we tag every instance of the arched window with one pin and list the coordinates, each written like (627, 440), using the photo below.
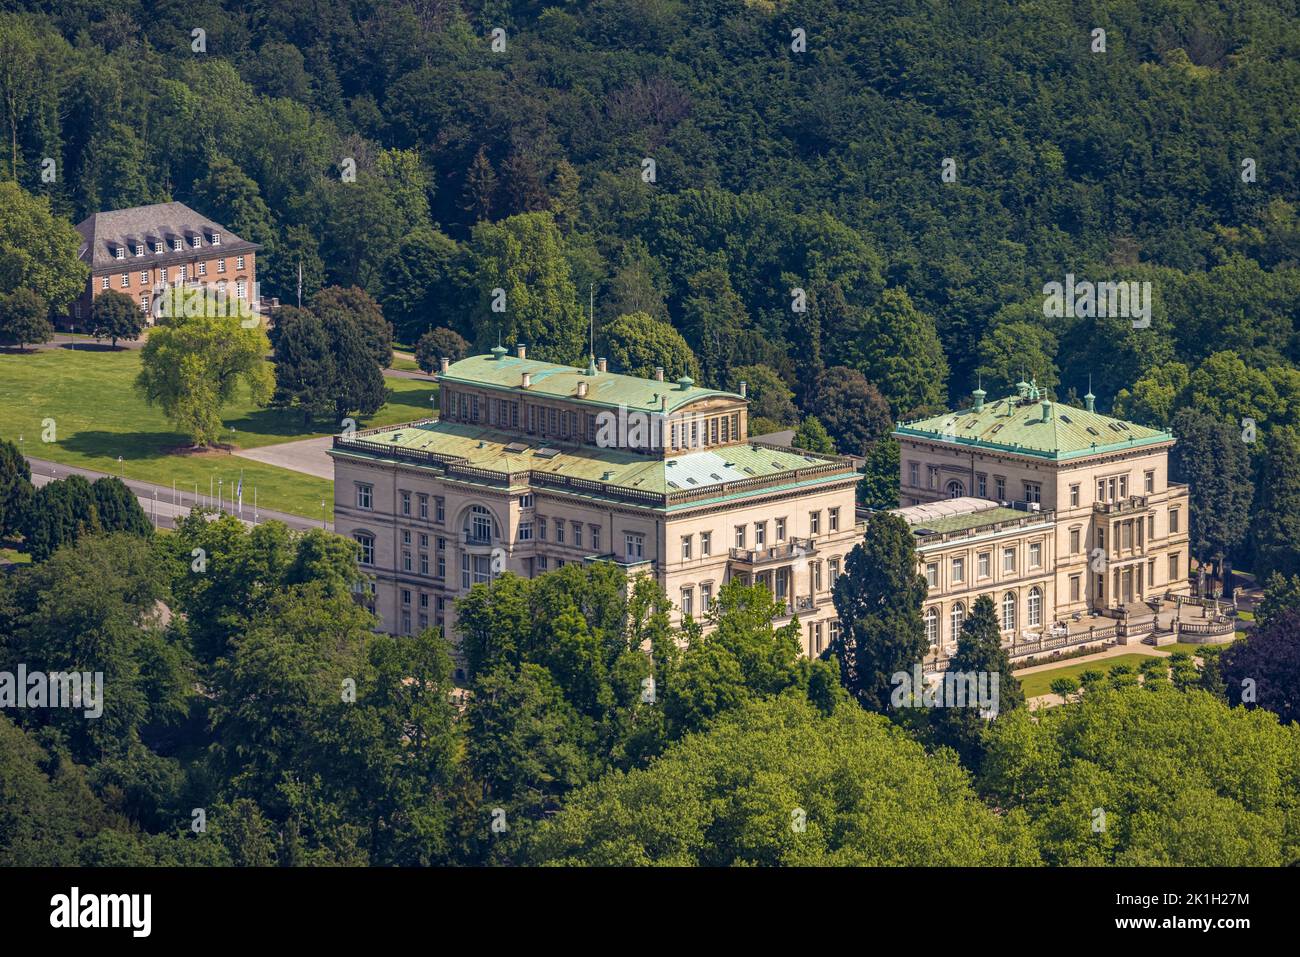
(957, 616)
(1009, 611)
(932, 626)
(479, 527)
(956, 489)
(1035, 613)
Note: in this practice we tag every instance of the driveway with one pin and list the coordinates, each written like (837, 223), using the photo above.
(306, 455)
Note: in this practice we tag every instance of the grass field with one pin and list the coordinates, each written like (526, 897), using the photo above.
(98, 416)
(1040, 682)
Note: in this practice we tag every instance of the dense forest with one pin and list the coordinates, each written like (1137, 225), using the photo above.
(854, 207)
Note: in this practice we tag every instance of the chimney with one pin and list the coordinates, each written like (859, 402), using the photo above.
(600, 364)
(1047, 410)
(663, 402)
(443, 364)
(582, 390)
(527, 380)
(521, 351)
(659, 373)
(744, 388)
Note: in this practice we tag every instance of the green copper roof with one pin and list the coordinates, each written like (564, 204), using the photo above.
(1018, 426)
(604, 389)
(506, 454)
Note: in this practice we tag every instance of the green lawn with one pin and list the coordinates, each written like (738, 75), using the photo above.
(1040, 682)
(14, 556)
(98, 416)
(405, 365)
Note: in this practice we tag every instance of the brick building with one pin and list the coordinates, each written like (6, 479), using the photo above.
(143, 250)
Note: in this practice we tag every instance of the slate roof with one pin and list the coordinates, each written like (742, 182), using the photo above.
(102, 233)
(1017, 425)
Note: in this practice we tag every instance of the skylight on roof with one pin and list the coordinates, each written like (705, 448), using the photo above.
(547, 453)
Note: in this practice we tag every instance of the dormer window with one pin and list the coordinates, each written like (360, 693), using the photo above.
(158, 247)
(139, 249)
(119, 252)
(178, 244)
(196, 241)
(216, 239)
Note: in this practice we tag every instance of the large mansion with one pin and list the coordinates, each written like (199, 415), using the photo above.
(146, 250)
(1055, 512)
(531, 465)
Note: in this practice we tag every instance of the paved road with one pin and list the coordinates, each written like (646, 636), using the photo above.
(165, 510)
(306, 455)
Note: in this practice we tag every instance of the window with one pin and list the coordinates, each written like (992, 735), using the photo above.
(144, 302)
(239, 262)
(367, 543)
(1149, 481)
(833, 566)
(1009, 611)
(157, 248)
(1034, 610)
(103, 283)
(577, 534)
(740, 536)
(706, 596)
(406, 561)
(956, 489)
(835, 630)
(688, 602)
(1000, 488)
(1035, 554)
(595, 537)
(177, 244)
(1173, 568)
(760, 534)
(932, 626)
(221, 265)
(365, 496)
(126, 280)
(442, 564)
(1123, 486)
(525, 531)
(475, 569)
(406, 503)
(780, 529)
(984, 559)
(424, 507)
(424, 540)
(559, 531)
(1173, 521)
(815, 522)
(241, 286)
(406, 536)
(958, 571)
(162, 274)
(144, 278)
(526, 500)
(706, 543)
(541, 528)
(216, 239)
(1033, 492)
(424, 563)
(932, 574)
(982, 485)
(139, 249)
(542, 563)
(634, 545)
(913, 473)
(816, 576)
(203, 269)
(932, 475)
(686, 547)
(955, 618)
(406, 622)
(833, 518)
(1074, 496)
(196, 241)
(478, 525)
(119, 252)
(1075, 587)
(1074, 541)
(440, 510)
